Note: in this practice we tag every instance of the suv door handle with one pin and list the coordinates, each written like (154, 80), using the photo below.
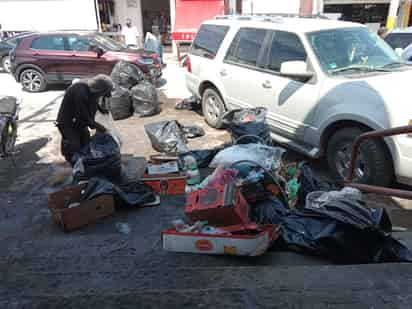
(266, 84)
(223, 72)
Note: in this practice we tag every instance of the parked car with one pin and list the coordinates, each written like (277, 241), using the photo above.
(323, 82)
(6, 46)
(401, 41)
(41, 59)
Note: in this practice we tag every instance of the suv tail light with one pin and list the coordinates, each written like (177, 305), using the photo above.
(188, 64)
(155, 58)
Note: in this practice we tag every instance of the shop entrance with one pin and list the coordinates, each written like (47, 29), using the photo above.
(156, 19)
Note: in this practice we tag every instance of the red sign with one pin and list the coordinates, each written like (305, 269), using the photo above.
(204, 245)
(190, 14)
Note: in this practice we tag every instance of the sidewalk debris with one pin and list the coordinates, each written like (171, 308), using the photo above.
(123, 228)
(120, 104)
(191, 104)
(247, 125)
(145, 99)
(126, 75)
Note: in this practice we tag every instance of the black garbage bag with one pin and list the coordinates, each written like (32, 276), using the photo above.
(145, 99)
(101, 158)
(167, 136)
(247, 125)
(342, 232)
(190, 104)
(203, 156)
(310, 182)
(120, 104)
(126, 75)
(193, 131)
(125, 195)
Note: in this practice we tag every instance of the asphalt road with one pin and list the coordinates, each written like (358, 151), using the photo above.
(101, 267)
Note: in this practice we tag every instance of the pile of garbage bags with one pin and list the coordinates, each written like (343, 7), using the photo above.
(132, 93)
(171, 136)
(100, 158)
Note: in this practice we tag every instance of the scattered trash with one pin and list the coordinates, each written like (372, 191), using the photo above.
(168, 184)
(265, 156)
(317, 198)
(193, 131)
(126, 75)
(145, 99)
(167, 136)
(107, 121)
(120, 104)
(123, 228)
(221, 176)
(191, 104)
(203, 157)
(101, 158)
(162, 169)
(191, 170)
(247, 125)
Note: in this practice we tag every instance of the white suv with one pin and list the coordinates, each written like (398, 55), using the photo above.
(323, 82)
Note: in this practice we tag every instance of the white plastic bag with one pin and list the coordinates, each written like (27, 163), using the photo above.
(265, 156)
(107, 121)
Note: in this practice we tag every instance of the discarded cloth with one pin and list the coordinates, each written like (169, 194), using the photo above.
(145, 99)
(247, 125)
(342, 230)
(266, 156)
(100, 158)
(191, 104)
(167, 136)
(131, 194)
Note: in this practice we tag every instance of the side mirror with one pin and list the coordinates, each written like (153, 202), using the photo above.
(295, 69)
(98, 50)
(399, 51)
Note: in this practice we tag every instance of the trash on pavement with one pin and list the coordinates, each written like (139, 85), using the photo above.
(316, 199)
(254, 243)
(162, 169)
(191, 170)
(191, 104)
(193, 131)
(107, 121)
(123, 228)
(343, 230)
(126, 75)
(120, 104)
(169, 184)
(101, 158)
(266, 156)
(167, 136)
(203, 156)
(145, 99)
(247, 125)
(86, 212)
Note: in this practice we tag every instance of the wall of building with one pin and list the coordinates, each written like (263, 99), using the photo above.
(270, 6)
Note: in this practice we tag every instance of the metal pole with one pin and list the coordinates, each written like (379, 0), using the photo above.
(172, 26)
(393, 12)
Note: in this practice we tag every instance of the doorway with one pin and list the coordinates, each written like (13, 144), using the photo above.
(156, 19)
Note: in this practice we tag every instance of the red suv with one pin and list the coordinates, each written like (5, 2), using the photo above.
(46, 58)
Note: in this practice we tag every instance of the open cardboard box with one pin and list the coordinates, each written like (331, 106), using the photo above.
(87, 212)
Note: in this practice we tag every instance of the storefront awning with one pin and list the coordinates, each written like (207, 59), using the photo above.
(191, 13)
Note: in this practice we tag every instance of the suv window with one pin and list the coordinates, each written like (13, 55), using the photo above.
(48, 43)
(76, 43)
(285, 46)
(247, 46)
(208, 40)
(399, 40)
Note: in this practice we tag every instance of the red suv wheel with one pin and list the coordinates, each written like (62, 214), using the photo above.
(32, 80)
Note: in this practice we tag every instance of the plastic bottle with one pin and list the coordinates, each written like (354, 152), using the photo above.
(192, 172)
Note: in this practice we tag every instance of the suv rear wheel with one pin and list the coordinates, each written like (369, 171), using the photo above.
(374, 164)
(32, 80)
(213, 107)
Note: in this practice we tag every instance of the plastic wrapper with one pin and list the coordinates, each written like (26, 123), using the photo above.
(126, 75)
(145, 99)
(266, 156)
(167, 136)
(107, 121)
(247, 125)
(316, 199)
(101, 158)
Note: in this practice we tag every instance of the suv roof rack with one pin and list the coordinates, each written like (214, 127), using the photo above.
(269, 17)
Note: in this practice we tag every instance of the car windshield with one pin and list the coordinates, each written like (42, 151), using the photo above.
(352, 49)
(108, 43)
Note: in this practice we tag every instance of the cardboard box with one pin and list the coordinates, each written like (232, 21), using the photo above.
(169, 184)
(241, 244)
(87, 212)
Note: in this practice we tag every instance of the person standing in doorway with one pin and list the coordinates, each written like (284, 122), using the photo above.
(130, 34)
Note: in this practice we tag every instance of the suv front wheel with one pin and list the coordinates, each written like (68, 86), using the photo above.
(373, 166)
(32, 80)
(213, 107)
